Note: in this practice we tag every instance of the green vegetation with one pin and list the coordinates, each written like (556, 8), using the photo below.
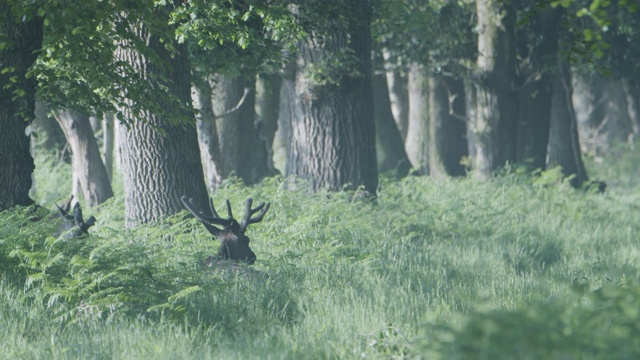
(519, 267)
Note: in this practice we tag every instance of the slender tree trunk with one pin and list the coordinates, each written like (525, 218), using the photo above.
(632, 94)
(471, 107)
(212, 162)
(564, 145)
(389, 144)
(536, 94)
(496, 114)
(447, 127)
(417, 142)
(21, 38)
(399, 97)
(333, 130)
(107, 148)
(283, 134)
(88, 168)
(267, 109)
(159, 166)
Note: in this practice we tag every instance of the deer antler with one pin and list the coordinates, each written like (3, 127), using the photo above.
(208, 220)
(249, 213)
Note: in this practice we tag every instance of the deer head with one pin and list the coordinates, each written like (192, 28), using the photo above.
(75, 220)
(234, 244)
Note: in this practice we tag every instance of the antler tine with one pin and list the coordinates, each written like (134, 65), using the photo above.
(249, 213)
(229, 210)
(188, 203)
(213, 208)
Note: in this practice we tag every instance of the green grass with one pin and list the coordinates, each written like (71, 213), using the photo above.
(514, 268)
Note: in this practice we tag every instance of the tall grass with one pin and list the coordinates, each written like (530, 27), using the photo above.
(519, 267)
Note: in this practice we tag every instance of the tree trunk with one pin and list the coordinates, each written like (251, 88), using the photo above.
(618, 126)
(243, 151)
(267, 109)
(47, 129)
(564, 145)
(417, 142)
(447, 127)
(588, 102)
(107, 148)
(159, 159)
(333, 130)
(399, 97)
(535, 96)
(496, 114)
(88, 167)
(389, 144)
(212, 162)
(632, 94)
(283, 134)
(21, 38)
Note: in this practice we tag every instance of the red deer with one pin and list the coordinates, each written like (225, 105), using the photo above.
(74, 225)
(234, 244)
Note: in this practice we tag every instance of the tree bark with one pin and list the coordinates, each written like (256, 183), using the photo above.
(496, 101)
(88, 168)
(159, 159)
(389, 144)
(447, 127)
(21, 37)
(333, 130)
(417, 142)
(564, 145)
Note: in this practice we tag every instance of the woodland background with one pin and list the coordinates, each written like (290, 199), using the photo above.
(448, 179)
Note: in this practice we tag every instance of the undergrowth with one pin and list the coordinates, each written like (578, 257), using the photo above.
(519, 267)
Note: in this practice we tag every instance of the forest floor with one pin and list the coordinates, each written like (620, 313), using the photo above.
(520, 267)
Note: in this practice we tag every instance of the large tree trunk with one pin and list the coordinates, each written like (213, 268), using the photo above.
(564, 145)
(160, 160)
(88, 167)
(333, 130)
(496, 101)
(447, 127)
(535, 96)
(417, 142)
(21, 38)
(389, 144)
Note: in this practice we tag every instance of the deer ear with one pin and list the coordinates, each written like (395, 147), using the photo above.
(84, 227)
(212, 229)
(77, 214)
